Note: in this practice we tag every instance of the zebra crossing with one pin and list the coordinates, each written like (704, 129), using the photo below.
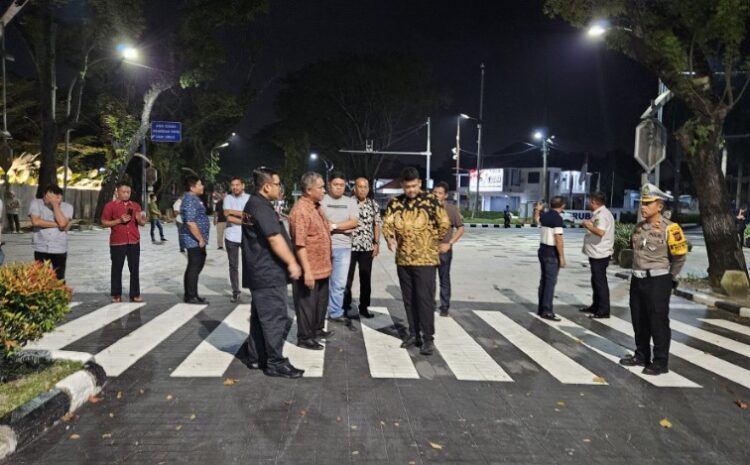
(467, 357)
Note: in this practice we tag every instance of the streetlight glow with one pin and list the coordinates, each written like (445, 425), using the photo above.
(538, 135)
(225, 144)
(234, 134)
(596, 30)
(128, 52)
(313, 156)
(464, 116)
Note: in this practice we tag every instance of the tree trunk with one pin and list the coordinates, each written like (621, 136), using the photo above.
(45, 47)
(719, 231)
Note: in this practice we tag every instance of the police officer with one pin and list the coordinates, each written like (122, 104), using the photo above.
(659, 253)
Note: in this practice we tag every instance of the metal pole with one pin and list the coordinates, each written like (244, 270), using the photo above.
(458, 158)
(5, 101)
(479, 139)
(429, 153)
(545, 149)
(659, 116)
(724, 156)
(143, 175)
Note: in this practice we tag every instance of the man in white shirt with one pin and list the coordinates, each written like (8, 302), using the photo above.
(51, 220)
(176, 206)
(598, 245)
(233, 206)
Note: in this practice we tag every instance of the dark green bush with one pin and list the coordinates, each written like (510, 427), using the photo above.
(32, 302)
(623, 232)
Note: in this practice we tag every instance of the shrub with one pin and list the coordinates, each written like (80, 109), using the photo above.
(32, 302)
(623, 232)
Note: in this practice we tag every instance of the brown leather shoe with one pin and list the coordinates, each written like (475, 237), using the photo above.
(136, 299)
(116, 299)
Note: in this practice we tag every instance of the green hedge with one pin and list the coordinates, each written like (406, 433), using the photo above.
(32, 302)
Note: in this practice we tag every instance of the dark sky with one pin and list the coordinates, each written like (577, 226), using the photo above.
(539, 71)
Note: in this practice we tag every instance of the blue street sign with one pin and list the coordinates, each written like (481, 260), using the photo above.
(166, 131)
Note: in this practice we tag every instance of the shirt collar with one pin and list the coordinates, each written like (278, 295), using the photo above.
(599, 210)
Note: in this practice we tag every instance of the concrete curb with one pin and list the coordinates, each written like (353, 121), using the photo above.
(24, 424)
(700, 297)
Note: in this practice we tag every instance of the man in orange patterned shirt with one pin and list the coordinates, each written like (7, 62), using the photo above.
(311, 236)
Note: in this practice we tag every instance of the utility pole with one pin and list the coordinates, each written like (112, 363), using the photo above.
(429, 153)
(458, 163)
(479, 140)
(545, 153)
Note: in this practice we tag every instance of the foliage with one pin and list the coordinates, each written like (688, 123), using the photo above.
(344, 103)
(623, 233)
(32, 302)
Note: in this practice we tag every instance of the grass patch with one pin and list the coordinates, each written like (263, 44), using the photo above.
(27, 380)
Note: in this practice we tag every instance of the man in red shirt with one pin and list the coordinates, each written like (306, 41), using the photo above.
(124, 216)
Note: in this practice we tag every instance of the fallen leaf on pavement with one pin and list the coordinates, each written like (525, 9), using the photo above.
(435, 445)
(141, 391)
(355, 452)
(68, 417)
(586, 440)
(106, 435)
(178, 427)
(94, 399)
(741, 404)
(302, 413)
(75, 436)
(338, 418)
(396, 424)
(119, 394)
(230, 381)
(193, 417)
(561, 403)
(665, 423)
(599, 380)
(169, 397)
(354, 426)
(111, 415)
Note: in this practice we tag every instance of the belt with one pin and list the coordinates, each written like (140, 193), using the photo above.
(649, 273)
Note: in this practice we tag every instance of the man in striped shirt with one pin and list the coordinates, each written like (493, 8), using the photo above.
(551, 256)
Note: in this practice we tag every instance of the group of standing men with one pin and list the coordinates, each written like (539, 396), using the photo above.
(330, 235)
(659, 253)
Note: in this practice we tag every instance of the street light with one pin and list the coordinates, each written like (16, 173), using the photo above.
(457, 151)
(327, 163)
(541, 135)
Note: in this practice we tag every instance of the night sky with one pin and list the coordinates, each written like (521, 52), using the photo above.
(539, 72)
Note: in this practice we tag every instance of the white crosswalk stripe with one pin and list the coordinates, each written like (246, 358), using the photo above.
(213, 356)
(384, 355)
(465, 358)
(560, 366)
(613, 352)
(121, 355)
(83, 326)
(706, 361)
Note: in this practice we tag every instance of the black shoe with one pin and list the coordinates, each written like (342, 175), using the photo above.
(310, 344)
(202, 300)
(219, 248)
(235, 297)
(153, 241)
(443, 312)
(427, 348)
(338, 319)
(163, 239)
(349, 325)
(284, 371)
(632, 361)
(324, 333)
(196, 300)
(409, 342)
(418, 341)
(586, 310)
(365, 313)
(654, 370)
(550, 316)
(599, 316)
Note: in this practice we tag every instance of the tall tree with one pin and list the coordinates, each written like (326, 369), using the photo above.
(60, 40)
(700, 50)
(345, 103)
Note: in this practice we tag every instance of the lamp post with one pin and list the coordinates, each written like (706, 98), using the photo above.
(458, 155)
(546, 141)
(327, 163)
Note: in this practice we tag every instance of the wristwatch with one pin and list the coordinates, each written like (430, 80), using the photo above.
(333, 226)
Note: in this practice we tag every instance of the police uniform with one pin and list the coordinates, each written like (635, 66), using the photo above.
(659, 253)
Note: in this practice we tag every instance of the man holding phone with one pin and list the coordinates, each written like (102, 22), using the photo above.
(123, 217)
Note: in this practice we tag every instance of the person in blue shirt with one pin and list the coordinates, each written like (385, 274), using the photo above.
(193, 236)
(551, 256)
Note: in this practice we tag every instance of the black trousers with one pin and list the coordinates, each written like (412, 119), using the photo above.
(364, 261)
(57, 260)
(444, 273)
(13, 220)
(233, 254)
(118, 254)
(310, 306)
(600, 285)
(649, 310)
(196, 259)
(418, 290)
(269, 326)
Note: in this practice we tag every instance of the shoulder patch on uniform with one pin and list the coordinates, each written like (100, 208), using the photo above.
(676, 240)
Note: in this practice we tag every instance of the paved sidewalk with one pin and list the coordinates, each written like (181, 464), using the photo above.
(503, 386)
